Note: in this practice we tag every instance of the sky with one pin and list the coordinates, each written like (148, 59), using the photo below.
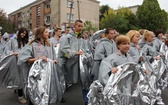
(12, 5)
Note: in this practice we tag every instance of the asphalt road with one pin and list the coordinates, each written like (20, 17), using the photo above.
(73, 96)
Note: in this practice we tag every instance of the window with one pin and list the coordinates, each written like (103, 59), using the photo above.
(23, 15)
(68, 16)
(47, 5)
(47, 19)
(38, 11)
(27, 14)
(69, 4)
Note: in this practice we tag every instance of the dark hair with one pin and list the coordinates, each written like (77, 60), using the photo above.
(21, 40)
(80, 21)
(68, 27)
(108, 30)
(158, 32)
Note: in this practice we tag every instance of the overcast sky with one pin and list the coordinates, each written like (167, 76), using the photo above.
(12, 5)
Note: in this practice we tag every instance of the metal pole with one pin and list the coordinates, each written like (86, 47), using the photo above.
(71, 6)
(78, 10)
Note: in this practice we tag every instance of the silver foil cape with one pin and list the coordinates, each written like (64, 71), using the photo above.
(60, 71)
(43, 83)
(131, 85)
(95, 39)
(85, 64)
(10, 73)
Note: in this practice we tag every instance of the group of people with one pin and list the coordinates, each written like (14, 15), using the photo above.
(65, 49)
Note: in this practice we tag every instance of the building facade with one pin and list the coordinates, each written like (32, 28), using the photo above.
(52, 13)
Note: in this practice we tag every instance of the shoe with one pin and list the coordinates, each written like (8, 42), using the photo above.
(22, 100)
(160, 103)
(62, 100)
(68, 86)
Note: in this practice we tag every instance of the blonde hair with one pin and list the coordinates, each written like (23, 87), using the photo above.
(122, 39)
(146, 34)
(131, 34)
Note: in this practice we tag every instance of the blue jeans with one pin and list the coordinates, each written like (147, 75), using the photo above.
(85, 92)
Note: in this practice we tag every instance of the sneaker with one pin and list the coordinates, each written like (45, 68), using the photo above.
(68, 86)
(160, 103)
(22, 100)
(62, 100)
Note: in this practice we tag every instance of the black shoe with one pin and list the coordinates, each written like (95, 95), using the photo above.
(62, 100)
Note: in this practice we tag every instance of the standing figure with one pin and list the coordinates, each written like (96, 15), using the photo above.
(70, 49)
(105, 48)
(39, 48)
(134, 48)
(14, 46)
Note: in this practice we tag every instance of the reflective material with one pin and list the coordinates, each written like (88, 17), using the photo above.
(131, 85)
(85, 64)
(10, 73)
(43, 83)
(95, 39)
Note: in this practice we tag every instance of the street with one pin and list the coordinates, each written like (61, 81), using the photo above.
(73, 96)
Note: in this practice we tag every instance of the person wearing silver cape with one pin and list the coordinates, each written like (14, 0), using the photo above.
(14, 47)
(39, 48)
(105, 48)
(70, 50)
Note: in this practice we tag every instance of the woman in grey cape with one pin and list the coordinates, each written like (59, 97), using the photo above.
(134, 51)
(147, 46)
(14, 46)
(109, 64)
(39, 48)
(106, 47)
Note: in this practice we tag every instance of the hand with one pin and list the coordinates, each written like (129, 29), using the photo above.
(79, 53)
(55, 61)
(141, 59)
(44, 58)
(156, 58)
(15, 53)
(114, 70)
(55, 45)
(145, 71)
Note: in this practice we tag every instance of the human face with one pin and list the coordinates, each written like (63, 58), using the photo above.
(58, 33)
(150, 38)
(160, 35)
(78, 27)
(124, 47)
(45, 34)
(111, 34)
(67, 30)
(135, 39)
(23, 34)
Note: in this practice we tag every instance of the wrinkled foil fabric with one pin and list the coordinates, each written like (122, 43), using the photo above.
(10, 73)
(60, 71)
(85, 64)
(94, 40)
(43, 83)
(131, 85)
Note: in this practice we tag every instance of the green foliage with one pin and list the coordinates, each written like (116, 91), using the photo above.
(151, 17)
(4, 22)
(103, 9)
(114, 21)
(122, 20)
(88, 26)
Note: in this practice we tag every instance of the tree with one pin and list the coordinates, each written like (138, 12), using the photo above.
(88, 26)
(127, 15)
(103, 9)
(151, 17)
(4, 22)
(114, 21)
